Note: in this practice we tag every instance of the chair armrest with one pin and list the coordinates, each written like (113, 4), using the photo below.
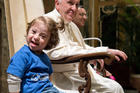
(108, 58)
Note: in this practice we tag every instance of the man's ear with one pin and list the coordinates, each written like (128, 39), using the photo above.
(56, 2)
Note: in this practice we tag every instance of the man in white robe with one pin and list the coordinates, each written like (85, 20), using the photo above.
(66, 76)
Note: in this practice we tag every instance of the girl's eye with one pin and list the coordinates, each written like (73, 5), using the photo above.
(43, 36)
(33, 31)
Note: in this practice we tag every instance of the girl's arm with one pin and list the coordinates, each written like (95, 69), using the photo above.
(13, 83)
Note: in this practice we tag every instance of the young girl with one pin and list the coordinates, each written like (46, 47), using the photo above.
(30, 68)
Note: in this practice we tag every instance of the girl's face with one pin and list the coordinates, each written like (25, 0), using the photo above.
(38, 37)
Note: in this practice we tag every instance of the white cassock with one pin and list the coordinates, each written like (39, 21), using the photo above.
(65, 76)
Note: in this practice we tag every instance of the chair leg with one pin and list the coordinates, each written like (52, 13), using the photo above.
(83, 72)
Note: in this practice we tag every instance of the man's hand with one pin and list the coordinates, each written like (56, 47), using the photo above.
(118, 54)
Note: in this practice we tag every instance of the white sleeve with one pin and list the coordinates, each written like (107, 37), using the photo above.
(13, 83)
(72, 43)
(72, 49)
(97, 49)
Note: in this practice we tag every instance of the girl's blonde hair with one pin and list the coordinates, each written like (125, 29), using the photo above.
(51, 26)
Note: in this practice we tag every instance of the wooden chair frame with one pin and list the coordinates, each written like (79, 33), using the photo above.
(84, 60)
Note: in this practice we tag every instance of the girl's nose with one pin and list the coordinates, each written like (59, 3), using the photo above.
(36, 37)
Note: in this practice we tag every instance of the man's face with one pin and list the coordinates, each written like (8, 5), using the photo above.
(67, 8)
(80, 17)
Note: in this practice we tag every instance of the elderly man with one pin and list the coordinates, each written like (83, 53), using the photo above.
(66, 76)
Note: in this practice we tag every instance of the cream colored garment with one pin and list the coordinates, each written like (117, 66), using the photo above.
(68, 82)
(66, 76)
(71, 41)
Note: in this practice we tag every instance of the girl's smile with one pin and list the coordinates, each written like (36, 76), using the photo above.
(38, 37)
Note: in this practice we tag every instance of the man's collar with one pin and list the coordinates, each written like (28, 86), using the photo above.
(56, 12)
(65, 22)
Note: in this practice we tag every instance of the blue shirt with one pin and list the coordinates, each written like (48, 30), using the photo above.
(33, 69)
